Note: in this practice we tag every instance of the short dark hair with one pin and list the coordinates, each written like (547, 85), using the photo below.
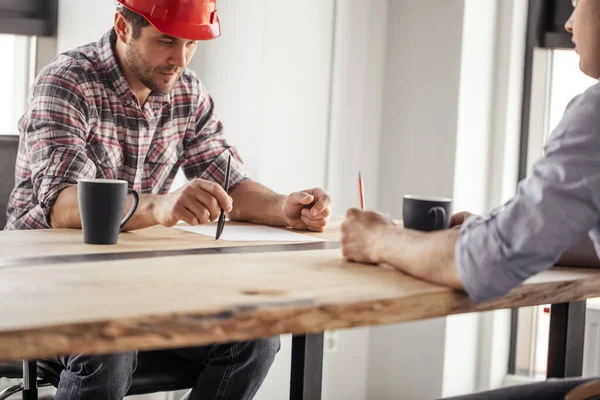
(136, 20)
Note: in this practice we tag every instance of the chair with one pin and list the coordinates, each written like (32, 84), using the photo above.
(157, 371)
(9, 145)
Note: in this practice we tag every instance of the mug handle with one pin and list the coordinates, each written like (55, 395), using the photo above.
(439, 218)
(136, 200)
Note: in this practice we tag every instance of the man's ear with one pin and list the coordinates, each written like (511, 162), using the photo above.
(122, 27)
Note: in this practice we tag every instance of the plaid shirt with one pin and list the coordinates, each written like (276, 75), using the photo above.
(84, 121)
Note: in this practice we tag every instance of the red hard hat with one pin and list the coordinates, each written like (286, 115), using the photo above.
(186, 19)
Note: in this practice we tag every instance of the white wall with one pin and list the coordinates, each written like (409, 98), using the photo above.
(475, 105)
(231, 68)
(83, 21)
(357, 101)
(270, 75)
(421, 100)
(13, 100)
(508, 93)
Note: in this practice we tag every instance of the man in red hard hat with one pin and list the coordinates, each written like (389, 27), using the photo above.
(127, 108)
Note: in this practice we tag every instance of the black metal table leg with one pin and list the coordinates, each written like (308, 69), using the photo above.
(565, 347)
(307, 367)
(30, 391)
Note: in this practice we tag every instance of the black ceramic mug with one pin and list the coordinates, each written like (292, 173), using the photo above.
(425, 213)
(101, 205)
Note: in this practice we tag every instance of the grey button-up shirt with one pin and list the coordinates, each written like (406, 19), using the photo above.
(553, 209)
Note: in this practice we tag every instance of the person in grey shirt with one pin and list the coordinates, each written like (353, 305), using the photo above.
(554, 217)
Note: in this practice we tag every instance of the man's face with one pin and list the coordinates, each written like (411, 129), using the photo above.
(585, 26)
(157, 59)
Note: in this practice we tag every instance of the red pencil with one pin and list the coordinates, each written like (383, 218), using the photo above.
(361, 191)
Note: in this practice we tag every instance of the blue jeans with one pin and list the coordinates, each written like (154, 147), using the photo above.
(232, 371)
(552, 389)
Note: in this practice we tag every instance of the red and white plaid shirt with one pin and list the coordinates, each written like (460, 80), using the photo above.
(84, 121)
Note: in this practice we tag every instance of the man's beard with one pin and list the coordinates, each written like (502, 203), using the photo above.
(143, 71)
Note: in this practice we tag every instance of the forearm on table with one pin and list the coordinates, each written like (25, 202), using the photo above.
(254, 202)
(426, 255)
(65, 211)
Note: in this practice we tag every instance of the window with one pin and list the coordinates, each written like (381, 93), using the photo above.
(17, 69)
(566, 82)
(22, 22)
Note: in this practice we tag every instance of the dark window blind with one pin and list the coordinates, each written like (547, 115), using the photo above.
(28, 17)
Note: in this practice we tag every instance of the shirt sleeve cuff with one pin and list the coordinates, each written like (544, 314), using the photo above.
(65, 167)
(462, 260)
(50, 198)
(483, 268)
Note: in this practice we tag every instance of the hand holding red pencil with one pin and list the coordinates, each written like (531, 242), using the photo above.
(363, 230)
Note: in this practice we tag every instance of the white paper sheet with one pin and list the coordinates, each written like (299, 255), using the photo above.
(249, 233)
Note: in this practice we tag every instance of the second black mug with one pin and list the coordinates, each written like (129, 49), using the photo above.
(424, 213)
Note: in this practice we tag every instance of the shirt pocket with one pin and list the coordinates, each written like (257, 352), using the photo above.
(107, 156)
(161, 163)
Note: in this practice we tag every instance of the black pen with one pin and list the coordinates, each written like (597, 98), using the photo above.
(221, 222)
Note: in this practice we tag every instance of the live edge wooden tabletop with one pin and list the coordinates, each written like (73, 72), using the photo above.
(53, 242)
(176, 301)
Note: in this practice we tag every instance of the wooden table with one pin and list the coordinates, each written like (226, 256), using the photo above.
(165, 288)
